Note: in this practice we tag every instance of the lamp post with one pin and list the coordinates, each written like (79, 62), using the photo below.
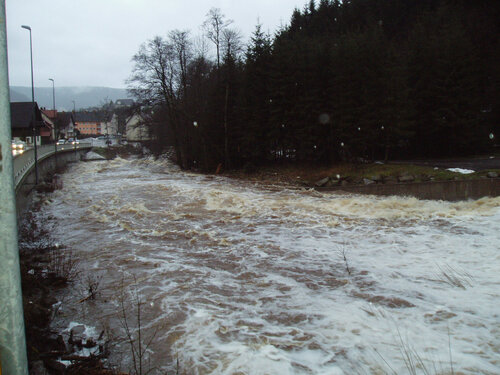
(33, 125)
(54, 119)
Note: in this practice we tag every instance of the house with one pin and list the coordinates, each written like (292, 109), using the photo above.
(65, 125)
(50, 113)
(110, 127)
(47, 132)
(21, 122)
(88, 123)
(136, 129)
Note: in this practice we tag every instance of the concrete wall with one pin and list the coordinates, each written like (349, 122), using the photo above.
(46, 169)
(435, 190)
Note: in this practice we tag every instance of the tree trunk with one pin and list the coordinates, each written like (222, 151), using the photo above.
(226, 133)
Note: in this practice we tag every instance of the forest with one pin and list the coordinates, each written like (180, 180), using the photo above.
(357, 80)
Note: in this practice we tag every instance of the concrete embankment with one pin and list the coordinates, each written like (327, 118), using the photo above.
(434, 190)
(47, 167)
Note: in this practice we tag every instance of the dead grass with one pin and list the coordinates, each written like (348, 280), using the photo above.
(308, 174)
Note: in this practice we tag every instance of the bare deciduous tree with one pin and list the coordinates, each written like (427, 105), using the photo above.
(232, 43)
(182, 46)
(154, 81)
(214, 25)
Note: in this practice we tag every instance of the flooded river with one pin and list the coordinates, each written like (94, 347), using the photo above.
(239, 278)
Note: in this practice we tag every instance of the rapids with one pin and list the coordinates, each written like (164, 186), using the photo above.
(241, 278)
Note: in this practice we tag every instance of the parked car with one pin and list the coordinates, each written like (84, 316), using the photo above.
(61, 142)
(75, 142)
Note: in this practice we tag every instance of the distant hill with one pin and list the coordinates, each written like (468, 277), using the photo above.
(84, 97)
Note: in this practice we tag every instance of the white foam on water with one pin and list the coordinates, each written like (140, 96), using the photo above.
(244, 279)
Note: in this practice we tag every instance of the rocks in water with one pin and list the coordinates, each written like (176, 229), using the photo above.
(77, 330)
(367, 181)
(91, 155)
(322, 182)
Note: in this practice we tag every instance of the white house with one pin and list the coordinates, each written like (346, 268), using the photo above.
(136, 130)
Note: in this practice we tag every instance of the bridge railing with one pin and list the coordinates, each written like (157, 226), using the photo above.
(25, 162)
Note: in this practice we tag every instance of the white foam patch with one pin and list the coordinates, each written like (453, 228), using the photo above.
(461, 170)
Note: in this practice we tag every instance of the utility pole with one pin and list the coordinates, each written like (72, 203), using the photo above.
(13, 355)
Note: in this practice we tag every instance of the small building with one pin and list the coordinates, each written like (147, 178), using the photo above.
(47, 132)
(88, 123)
(136, 129)
(65, 125)
(21, 116)
(110, 128)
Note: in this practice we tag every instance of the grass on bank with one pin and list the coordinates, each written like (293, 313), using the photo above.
(309, 174)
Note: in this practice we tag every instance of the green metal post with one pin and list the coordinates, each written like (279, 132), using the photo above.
(12, 337)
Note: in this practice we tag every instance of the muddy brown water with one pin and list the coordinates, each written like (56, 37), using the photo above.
(241, 278)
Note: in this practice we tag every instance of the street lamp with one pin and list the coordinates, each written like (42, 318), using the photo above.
(33, 105)
(54, 118)
(74, 114)
(53, 96)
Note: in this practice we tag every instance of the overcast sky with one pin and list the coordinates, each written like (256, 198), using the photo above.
(91, 42)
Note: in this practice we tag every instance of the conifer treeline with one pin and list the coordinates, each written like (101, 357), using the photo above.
(371, 79)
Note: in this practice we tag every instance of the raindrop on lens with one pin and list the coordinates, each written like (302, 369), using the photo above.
(324, 118)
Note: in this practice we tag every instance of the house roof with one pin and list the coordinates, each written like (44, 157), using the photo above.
(20, 114)
(64, 119)
(47, 121)
(87, 117)
(50, 113)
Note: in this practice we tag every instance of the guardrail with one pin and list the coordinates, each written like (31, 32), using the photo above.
(25, 162)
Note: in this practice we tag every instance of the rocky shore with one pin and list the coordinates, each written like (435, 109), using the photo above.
(344, 174)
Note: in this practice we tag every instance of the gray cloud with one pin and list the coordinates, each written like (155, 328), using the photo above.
(91, 42)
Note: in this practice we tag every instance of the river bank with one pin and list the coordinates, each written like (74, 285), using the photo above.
(399, 179)
(47, 268)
